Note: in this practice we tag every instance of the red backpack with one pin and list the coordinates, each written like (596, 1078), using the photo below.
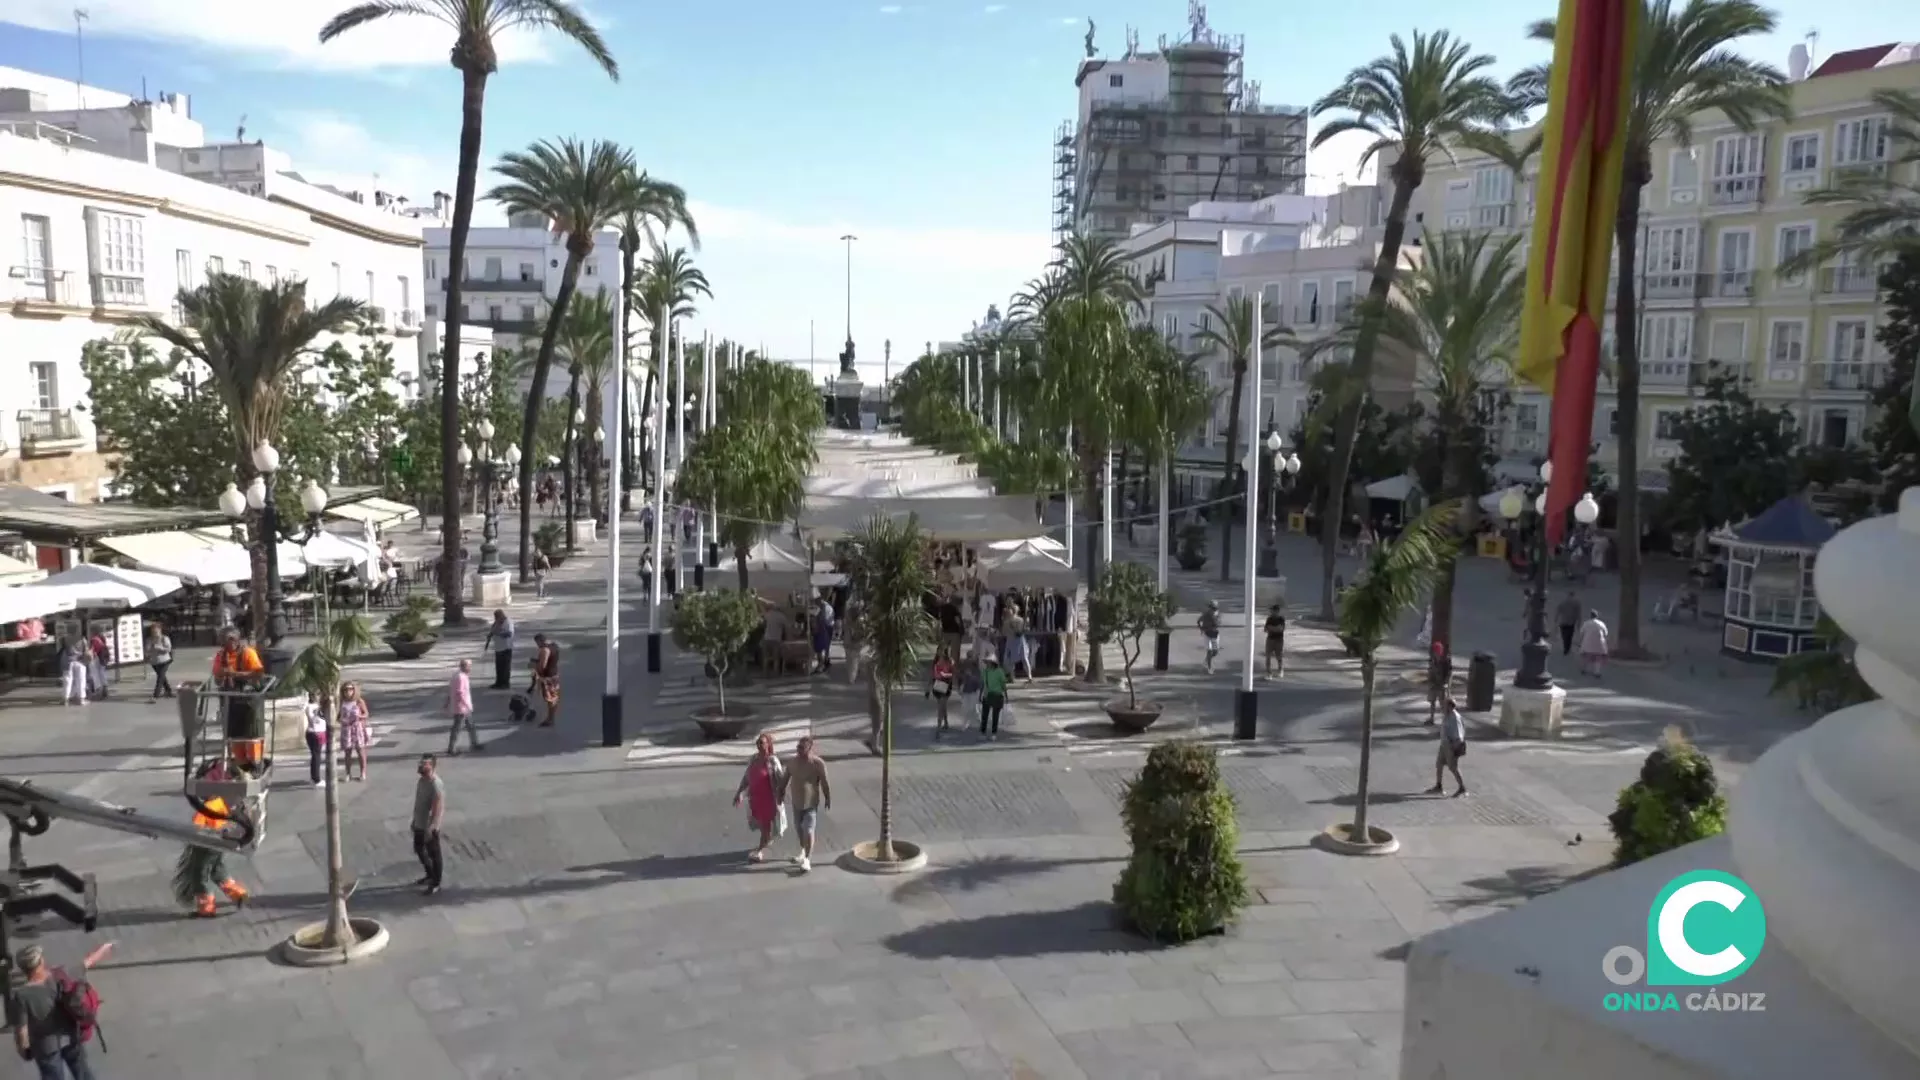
(81, 1003)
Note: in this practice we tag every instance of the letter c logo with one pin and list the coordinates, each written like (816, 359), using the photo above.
(1673, 928)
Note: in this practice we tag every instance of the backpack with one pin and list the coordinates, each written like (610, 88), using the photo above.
(80, 1003)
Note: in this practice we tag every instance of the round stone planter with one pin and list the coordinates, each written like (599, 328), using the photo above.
(1341, 840)
(717, 726)
(864, 858)
(1190, 565)
(1132, 721)
(303, 948)
(411, 649)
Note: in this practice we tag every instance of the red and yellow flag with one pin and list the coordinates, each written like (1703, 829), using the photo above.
(1582, 162)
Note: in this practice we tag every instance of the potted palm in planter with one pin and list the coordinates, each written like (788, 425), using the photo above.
(715, 625)
(1192, 552)
(1126, 606)
(409, 631)
(550, 539)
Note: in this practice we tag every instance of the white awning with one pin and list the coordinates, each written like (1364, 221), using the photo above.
(196, 557)
(957, 520)
(30, 602)
(376, 512)
(17, 572)
(1026, 566)
(900, 485)
(1396, 488)
(93, 585)
(331, 549)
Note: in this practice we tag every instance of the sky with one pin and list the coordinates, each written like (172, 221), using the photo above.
(922, 128)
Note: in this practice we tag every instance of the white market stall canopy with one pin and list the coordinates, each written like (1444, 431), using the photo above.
(1045, 543)
(93, 585)
(376, 512)
(957, 520)
(203, 556)
(899, 485)
(771, 567)
(1394, 488)
(1027, 565)
(330, 549)
(30, 602)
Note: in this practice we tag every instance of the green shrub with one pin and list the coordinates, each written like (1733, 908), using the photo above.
(549, 539)
(716, 625)
(411, 623)
(1676, 801)
(1184, 878)
(1192, 550)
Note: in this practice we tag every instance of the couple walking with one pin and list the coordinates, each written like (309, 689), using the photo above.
(769, 786)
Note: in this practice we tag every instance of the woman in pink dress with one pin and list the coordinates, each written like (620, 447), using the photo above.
(763, 786)
(353, 729)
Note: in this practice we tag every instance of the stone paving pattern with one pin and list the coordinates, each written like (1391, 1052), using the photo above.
(599, 921)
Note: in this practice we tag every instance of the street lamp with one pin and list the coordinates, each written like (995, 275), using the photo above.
(1535, 650)
(259, 499)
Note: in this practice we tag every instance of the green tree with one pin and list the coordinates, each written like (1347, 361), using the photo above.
(1229, 330)
(891, 574)
(1895, 435)
(1397, 578)
(1685, 66)
(581, 189)
(1412, 102)
(748, 473)
(316, 670)
(1173, 400)
(1127, 605)
(476, 26)
(716, 625)
(1736, 458)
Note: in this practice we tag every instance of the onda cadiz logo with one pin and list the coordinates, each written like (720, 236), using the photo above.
(1706, 928)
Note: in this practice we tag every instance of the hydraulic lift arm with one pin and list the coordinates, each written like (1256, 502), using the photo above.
(32, 810)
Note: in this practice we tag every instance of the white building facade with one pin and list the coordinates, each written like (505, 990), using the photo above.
(101, 233)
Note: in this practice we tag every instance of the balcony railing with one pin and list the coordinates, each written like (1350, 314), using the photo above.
(1342, 311)
(1854, 169)
(38, 285)
(409, 317)
(1666, 372)
(1844, 375)
(523, 327)
(119, 290)
(47, 428)
(1306, 315)
(1674, 285)
(377, 316)
(1733, 284)
(1523, 442)
(1735, 190)
(1496, 216)
(500, 284)
(1850, 281)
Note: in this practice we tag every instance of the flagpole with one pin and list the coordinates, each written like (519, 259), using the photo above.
(712, 374)
(699, 519)
(660, 525)
(1246, 704)
(612, 712)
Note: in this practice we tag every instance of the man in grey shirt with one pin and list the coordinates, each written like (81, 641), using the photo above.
(429, 808)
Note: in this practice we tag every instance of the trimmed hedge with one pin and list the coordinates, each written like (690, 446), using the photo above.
(1184, 879)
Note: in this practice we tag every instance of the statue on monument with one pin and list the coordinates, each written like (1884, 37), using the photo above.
(1090, 29)
(846, 362)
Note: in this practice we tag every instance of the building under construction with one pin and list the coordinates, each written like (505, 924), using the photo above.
(1160, 131)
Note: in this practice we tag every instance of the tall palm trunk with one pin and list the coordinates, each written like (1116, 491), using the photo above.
(1456, 453)
(1120, 481)
(1347, 427)
(568, 456)
(595, 402)
(885, 851)
(740, 553)
(339, 932)
(629, 437)
(473, 96)
(1626, 337)
(536, 394)
(1361, 833)
(1090, 470)
(1233, 445)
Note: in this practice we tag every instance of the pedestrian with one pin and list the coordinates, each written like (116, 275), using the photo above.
(1210, 627)
(1276, 628)
(159, 658)
(53, 1014)
(851, 638)
(500, 640)
(1439, 677)
(546, 676)
(316, 736)
(73, 671)
(822, 637)
(429, 810)
(810, 793)
(1019, 659)
(763, 785)
(97, 656)
(1453, 747)
(354, 732)
(993, 696)
(1593, 645)
(541, 565)
(1567, 614)
(460, 705)
(940, 689)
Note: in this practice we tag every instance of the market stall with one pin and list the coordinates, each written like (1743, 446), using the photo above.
(969, 520)
(1770, 608)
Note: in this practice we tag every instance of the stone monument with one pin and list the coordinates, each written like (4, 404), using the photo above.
(846, 392)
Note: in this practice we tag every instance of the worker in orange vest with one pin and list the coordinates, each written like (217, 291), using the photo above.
(236, 662)
(200, 871)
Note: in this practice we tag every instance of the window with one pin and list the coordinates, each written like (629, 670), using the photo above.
(371, 298)
(1613, 423)
(1736, 169)
(1159, 192)
(433, 268)
(1803, 152)
(1342, 298)
(1206, 321)
(1860, 142)
(1787, 341)
(1116, 81)
(216, 265)
(339, 284)
(1736, 262)
(1792, 240)
(493, 313)
(1160, 161)
(1309, 314)
(406, 294)
(467, 313)
(1666, 346)
(1273, 310)
(591, 268)
(1526, 417)
(526, 271)
(1672, 260)
(1849, 341)
(46, 384)
(1836, 426)
(1193, 162)
(1666, 424)
(36, 238)
(1235, 292)
(526, 312)
(493, 269)
(183, 268)
(246, 269)
(1492, 196)
(433, 311)
(1683, 177)
(119, 256)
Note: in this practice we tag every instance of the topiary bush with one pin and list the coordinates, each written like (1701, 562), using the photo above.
(1184, 878)
(1676, 801)
(1192, 550)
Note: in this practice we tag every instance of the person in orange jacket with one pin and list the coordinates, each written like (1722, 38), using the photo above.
(201, 871)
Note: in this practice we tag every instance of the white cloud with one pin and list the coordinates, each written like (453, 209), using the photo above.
(280, 32)
(1337, 163)
(1068, 20)
(995, 9)
(890, 9)
(328, 148)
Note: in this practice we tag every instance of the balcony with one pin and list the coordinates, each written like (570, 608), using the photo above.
(38, 288)
(1858, 170)
(1854, 281)
(45, 432)
(1733, 285)
(499, 284)
(1674, 285)
(1848, 375)
(1735, 190)
(1494, 216)
(1306, 315)
(119, 291)
(1785, 370)
(377, 316)
(1667, 372)
(1523, 442)
(409, 319)
(522, 327)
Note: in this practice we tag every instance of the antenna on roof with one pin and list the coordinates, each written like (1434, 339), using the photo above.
(1813, 44)
(240, 130)
(1133, 42)
(80, 55)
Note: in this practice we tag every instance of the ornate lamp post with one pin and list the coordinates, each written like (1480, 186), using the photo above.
(1533, 674)
(259, 498)
(490, 581)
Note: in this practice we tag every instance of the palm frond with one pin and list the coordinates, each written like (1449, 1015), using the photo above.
(1397, 577)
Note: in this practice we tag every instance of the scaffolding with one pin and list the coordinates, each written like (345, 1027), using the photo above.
(1209, 138)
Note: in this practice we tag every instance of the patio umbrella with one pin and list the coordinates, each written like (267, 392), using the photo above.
(90, 585)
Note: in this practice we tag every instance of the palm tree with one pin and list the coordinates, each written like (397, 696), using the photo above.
(1413, 103)
(1173, 400)
(655, 205)
(317, 670)
(1397, 577)
(476, 24)
(581, 189)
(1457, 312)
(1230, 330)
(251, 339)
(664, 291)
(586, 343)
(1882, 223)
(1684, 65)
(890, 574)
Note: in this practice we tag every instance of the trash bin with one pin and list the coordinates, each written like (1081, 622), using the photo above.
(1481, 671)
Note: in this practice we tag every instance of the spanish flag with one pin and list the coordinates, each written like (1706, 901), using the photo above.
(1582, 161)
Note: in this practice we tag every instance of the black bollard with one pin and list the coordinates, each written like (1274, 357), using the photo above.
(653, 652)
(1246, 714)
(1162, 649)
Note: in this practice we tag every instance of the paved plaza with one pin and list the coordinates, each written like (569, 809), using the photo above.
(599, 921)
